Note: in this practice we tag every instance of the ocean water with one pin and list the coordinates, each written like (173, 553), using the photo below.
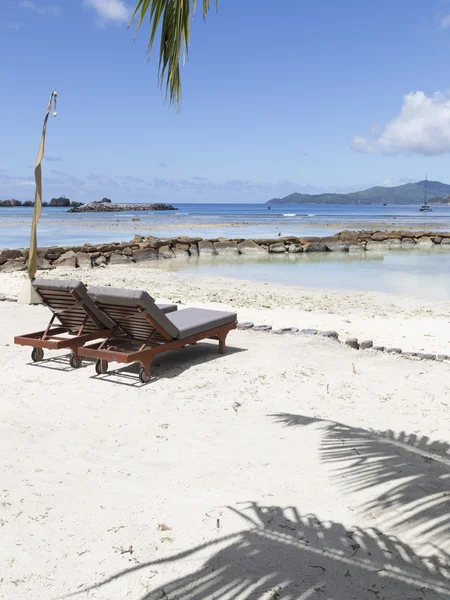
(58, 227)
(417, 272)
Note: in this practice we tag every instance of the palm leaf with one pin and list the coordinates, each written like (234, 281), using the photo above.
(172, 18)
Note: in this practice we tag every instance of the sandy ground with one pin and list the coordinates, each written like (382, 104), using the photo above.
(291, 467)
(412, 324)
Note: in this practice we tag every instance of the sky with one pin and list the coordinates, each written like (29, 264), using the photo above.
(296, 96)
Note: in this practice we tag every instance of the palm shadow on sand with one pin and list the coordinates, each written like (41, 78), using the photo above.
(282, 554)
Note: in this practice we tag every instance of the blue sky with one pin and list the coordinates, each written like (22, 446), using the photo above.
(301, 95)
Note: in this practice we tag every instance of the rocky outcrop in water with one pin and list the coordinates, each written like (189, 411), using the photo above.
(106, 205)
(12, 202)
(61, 201)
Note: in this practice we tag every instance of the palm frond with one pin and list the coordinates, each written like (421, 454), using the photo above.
(172, 18)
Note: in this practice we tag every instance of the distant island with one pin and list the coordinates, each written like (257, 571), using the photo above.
(104, 205)
(61, 201)
(409, 193)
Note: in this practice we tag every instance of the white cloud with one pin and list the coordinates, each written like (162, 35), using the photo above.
(110, 11)
(422, 127)
(50, 10)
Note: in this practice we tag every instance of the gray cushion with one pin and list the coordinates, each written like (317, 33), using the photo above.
(191, 321)
(70, 285)
(167, 308)
(133, 298)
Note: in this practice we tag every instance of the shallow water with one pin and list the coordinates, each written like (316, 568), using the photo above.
(418, 273)
(58, 227)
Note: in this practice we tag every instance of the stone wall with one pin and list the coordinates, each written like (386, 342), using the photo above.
(146, 248)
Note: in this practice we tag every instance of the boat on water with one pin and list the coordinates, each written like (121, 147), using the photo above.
(425, 207)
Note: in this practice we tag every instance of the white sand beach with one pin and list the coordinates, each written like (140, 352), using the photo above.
(290, 467)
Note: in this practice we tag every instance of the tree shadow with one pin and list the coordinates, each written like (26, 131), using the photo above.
(282, 554)
(409, 476)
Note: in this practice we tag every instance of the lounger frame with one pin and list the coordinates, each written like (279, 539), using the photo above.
(142, 341)
(79, 329)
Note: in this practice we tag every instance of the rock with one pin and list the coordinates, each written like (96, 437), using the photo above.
(409, 354)
(373, 246)
(60, 201)
(250, 247)
(309, 331)
(8, 254)
(355, 248)
(100, 261)
(329, 334)
(445, 242)
(441, 357)
(277, 248)
(295, 248)
(206, 247)
(315, 247)
(12, 265)
(229, 248)
(352, 343)
(83, 260)
(147, 254)
(120, 259)
(284, 330)
(408, 243)
(425, 356)
(262, 328)
(42, 264)
(394, 350)
(424, 242)
(379, 348)
(245, 325)
(366, 345)
(380, 236)
(395, 244)
(182, 247)
(68, 259)
(437, 239)
(193, 250)
(54, 252)
(127, 252)
(163, 252)
(336, 246)
(137, 238)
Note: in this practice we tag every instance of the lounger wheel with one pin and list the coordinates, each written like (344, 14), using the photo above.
(101, 367)
(37, 354)
(75, 361)
(144, 377)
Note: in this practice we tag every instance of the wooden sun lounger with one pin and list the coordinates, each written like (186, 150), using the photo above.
(144, 331)
(75, 320)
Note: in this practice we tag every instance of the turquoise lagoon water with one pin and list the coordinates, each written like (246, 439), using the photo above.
(418, 273)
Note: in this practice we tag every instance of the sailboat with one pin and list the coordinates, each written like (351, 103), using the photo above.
(425, 206)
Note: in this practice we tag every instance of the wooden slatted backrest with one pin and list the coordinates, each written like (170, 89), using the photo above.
(68, 309)
(136, 324)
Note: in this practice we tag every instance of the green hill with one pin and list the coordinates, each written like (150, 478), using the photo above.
(409, 193)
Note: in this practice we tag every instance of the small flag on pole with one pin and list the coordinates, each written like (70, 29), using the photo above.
(32, 258)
